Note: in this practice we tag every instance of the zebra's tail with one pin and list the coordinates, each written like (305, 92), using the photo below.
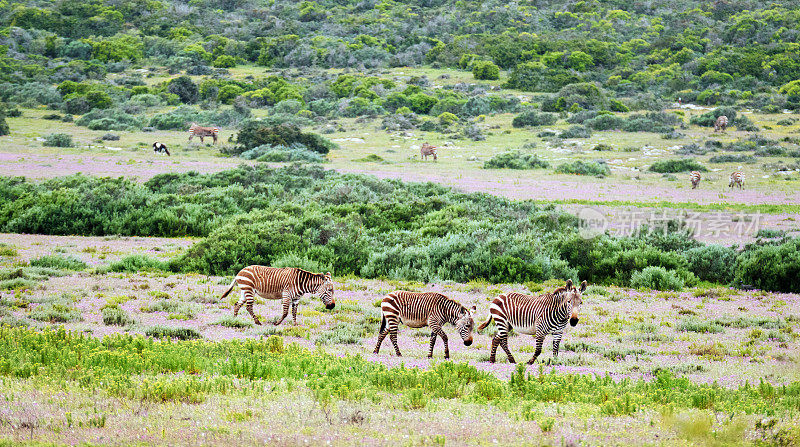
(485, 323)
(233, 283)
(383, 323)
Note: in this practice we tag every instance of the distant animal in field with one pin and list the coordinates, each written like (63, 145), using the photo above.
(287, 284)
(737, 179)
(160, 148)
(721, 123)
(426, 150)
(534, 315)
(202, 132)
(424, 309)
(695, 178)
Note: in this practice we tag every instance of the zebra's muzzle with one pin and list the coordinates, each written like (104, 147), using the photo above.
(330, 306)
(468, 342)
(573, 321)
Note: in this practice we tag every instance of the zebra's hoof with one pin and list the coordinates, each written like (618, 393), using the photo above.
(258, 323)
(492, 360)
(512, 360)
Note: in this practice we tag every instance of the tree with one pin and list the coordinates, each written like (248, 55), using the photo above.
(185, 88)
(485, 70)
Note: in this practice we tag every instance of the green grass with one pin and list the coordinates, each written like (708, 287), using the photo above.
(172, 332)
(59, 262)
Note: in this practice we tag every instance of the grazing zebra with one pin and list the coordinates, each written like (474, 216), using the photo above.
(424, 309)
(737, 178)
(160, 148)
(288, 284)
(695, 178)
(202, 132)
(534, 315)
(721, 123)
(426, 150)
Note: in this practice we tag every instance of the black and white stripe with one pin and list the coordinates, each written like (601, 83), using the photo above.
(160, 148)
(721, 123)
(287, 284)
(737, 178)
(426, 149)
(695, 178)
(202, 132)
(424, 309)
(534, 315)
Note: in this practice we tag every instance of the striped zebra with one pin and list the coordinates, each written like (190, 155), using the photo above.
(534, 315)
(721, 123)
(695, 178)
(424, 309)
(288, 284)
(202, 132)
(737, 178)
(426, 149)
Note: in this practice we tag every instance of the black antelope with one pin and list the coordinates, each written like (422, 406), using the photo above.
(695, 178)
(202, 132)
(534, 315)
(737, 178)
(426, 149)
(160, 148)
(424, 309)
(288, 284)
(721, 123)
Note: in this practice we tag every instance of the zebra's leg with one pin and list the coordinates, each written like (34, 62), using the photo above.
(381, 336)
(504, 345)
(434, 336)
(249, 307)
(446, 345)
(539, 343)
(393, 336)
(239, 304)
(287, 301)
(493, 352)
(556, 342)
(295, 302)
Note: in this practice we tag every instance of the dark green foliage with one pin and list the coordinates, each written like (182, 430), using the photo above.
(586, 95)
(255, 133)
(656, 278)
(537, 77)
(533, 118)
(515, 160)
(707, 119)
(677, 165)
(731, 158)
(59, 262)
(136, 264)
(4, 129)
(58, 140)
(297, 152)
(580, 167)
(185, 88)
(485, 70)
(712, 263)
(770, 266)
(172, 332)
(576, 132)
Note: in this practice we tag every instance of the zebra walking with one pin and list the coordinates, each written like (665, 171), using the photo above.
(737, 178)
(721, 123)
(287, 284)
(202, 132)
(426, 149)
(534, 315)
(424, 309)
(695, 178)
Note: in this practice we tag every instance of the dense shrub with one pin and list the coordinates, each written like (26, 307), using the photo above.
(712, 263)
(58, 140)
(656, 278)
(677, 165)
(515, 160)
(580, 167)
(115, 316)
(185, 88)
(297, 152)
(485, 70)
(111, 119)
(770, 266)
(59, 262)
(605, 122)
(534, 118)
(576, 132)
(255, 133)
(731, 158)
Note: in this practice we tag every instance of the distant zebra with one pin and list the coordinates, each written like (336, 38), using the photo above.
(160, 147)
(420, 310)
(202, 132)
(721, 123)
(426, 150)
(534, 315)
(288, 284)
(695, 178)
(737, 178)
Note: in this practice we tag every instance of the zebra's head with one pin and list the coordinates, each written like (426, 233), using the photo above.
(325, 291)
(574, 298)
(465, 324)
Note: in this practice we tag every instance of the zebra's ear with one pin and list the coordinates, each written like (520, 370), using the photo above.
(583, 286)
(474, 308)
(569, 284)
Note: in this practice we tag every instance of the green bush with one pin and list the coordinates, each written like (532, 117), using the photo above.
(58, 140)
(172, 332)
(297, 152)
(56, 312)
(116, 316)
(59, 262)
(533, 118)
(254, 134)
(656, 278)
(694, 324)
(185, 88)
(136, 263)
(677, 165)
(770, 267)
(579, 167)
(576, 132)
(485, 70)
(515, 160)
(732, 158)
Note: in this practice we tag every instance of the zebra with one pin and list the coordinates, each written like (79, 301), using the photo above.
(426, 149)
(737, 178)
(721, 123)
(288, 284)
(202, 132)
(695, 178)
(424, 309)
(534, 315)
(160, 147)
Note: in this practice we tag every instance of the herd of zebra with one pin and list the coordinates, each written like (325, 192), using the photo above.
(537, 316)
(736, 179)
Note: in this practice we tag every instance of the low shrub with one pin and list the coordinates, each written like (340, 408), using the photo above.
(515, 160)
(59, 262)
(297, 152)
(576, 132)
(532, 118)
(58, 140)
(181, 333)
(116, 316)
(770, 266)
(732, 158)
(254, 134)
(136, 263)
(712, 263)
(56, 312)
(656, 278)
(579, 167)
(695, 324)
(677, 165)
